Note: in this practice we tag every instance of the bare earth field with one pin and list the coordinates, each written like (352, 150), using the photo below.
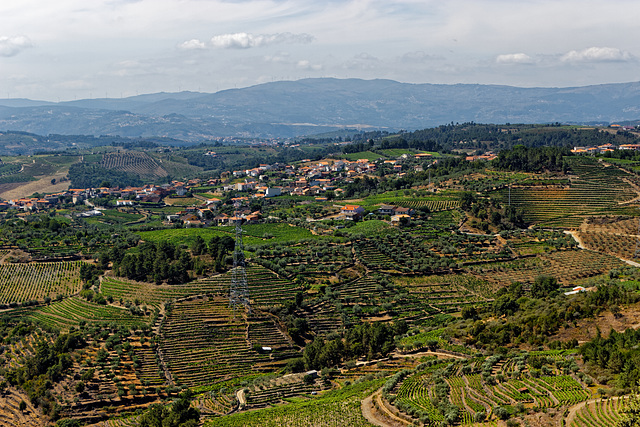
(586, 329)
(42, 185)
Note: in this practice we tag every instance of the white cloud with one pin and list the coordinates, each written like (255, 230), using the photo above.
(514, 58)
(597, 54)
(11, 46)
(193, 44)
(246, 40)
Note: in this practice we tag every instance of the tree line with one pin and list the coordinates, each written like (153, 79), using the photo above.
(372, 340)
(157, 262)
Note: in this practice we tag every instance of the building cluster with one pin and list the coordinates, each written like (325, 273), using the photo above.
(487, 156)
(124, 197)
(599, 149)
(397, 213)
(604, 148)
(316, 179)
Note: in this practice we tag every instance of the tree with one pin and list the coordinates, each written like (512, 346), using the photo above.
(467, 198)
(544, 286)
(469, 312)
(180, 415)
(199, 246)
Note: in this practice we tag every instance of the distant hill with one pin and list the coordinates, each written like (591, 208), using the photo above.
(313, 106)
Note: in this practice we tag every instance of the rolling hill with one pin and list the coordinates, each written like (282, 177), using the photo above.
(312, 106)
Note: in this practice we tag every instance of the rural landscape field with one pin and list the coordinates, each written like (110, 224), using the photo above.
(468, 274)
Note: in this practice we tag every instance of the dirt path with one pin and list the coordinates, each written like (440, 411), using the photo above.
(378, 415)
(156, 328)
(576, 238)
(367, 412)
(242, 399)
(429, 353)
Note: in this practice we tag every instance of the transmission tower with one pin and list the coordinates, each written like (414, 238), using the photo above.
(637, 251)
(239, 290)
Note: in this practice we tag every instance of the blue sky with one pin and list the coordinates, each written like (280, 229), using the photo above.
(71, 49)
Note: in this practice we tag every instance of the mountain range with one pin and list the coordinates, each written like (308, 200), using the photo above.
(314, 106)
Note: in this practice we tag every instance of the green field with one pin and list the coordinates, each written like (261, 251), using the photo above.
(254, 234)
(369, 155)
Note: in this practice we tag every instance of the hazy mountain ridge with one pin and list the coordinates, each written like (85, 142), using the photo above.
(308, 106)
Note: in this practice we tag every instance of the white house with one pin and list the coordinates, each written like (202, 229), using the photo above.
(273, 191)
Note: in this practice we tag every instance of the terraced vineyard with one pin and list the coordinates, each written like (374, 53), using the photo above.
(36, 281)
(444, 293)
(137, 162)
(414, 393)
(372, 256)
(269, 393)
(323, 318)
(410, 253)
(266, 289)
(432, 205)
(478, 395)
(595, 190)
(418, 320)
(126, 290)
(313, 257)
(203, 342)
(366, 291)
(617, 236)
(568, 267)
(11, 415)
(335, 408)
(71, 311)
(599, 412)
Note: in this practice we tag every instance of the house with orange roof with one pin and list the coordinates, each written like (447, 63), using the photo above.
(252, 219)
(235, 220)
(352, 211)
(42, 203)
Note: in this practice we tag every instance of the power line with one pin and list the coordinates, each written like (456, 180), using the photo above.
(238, 289)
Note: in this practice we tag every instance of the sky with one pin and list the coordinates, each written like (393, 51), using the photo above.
(73, 49)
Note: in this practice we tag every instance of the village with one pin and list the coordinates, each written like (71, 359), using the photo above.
(225, 200)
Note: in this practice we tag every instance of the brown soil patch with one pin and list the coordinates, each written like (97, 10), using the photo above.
(42, 185)
(586, 329)
(10, 186)
(553, 417)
